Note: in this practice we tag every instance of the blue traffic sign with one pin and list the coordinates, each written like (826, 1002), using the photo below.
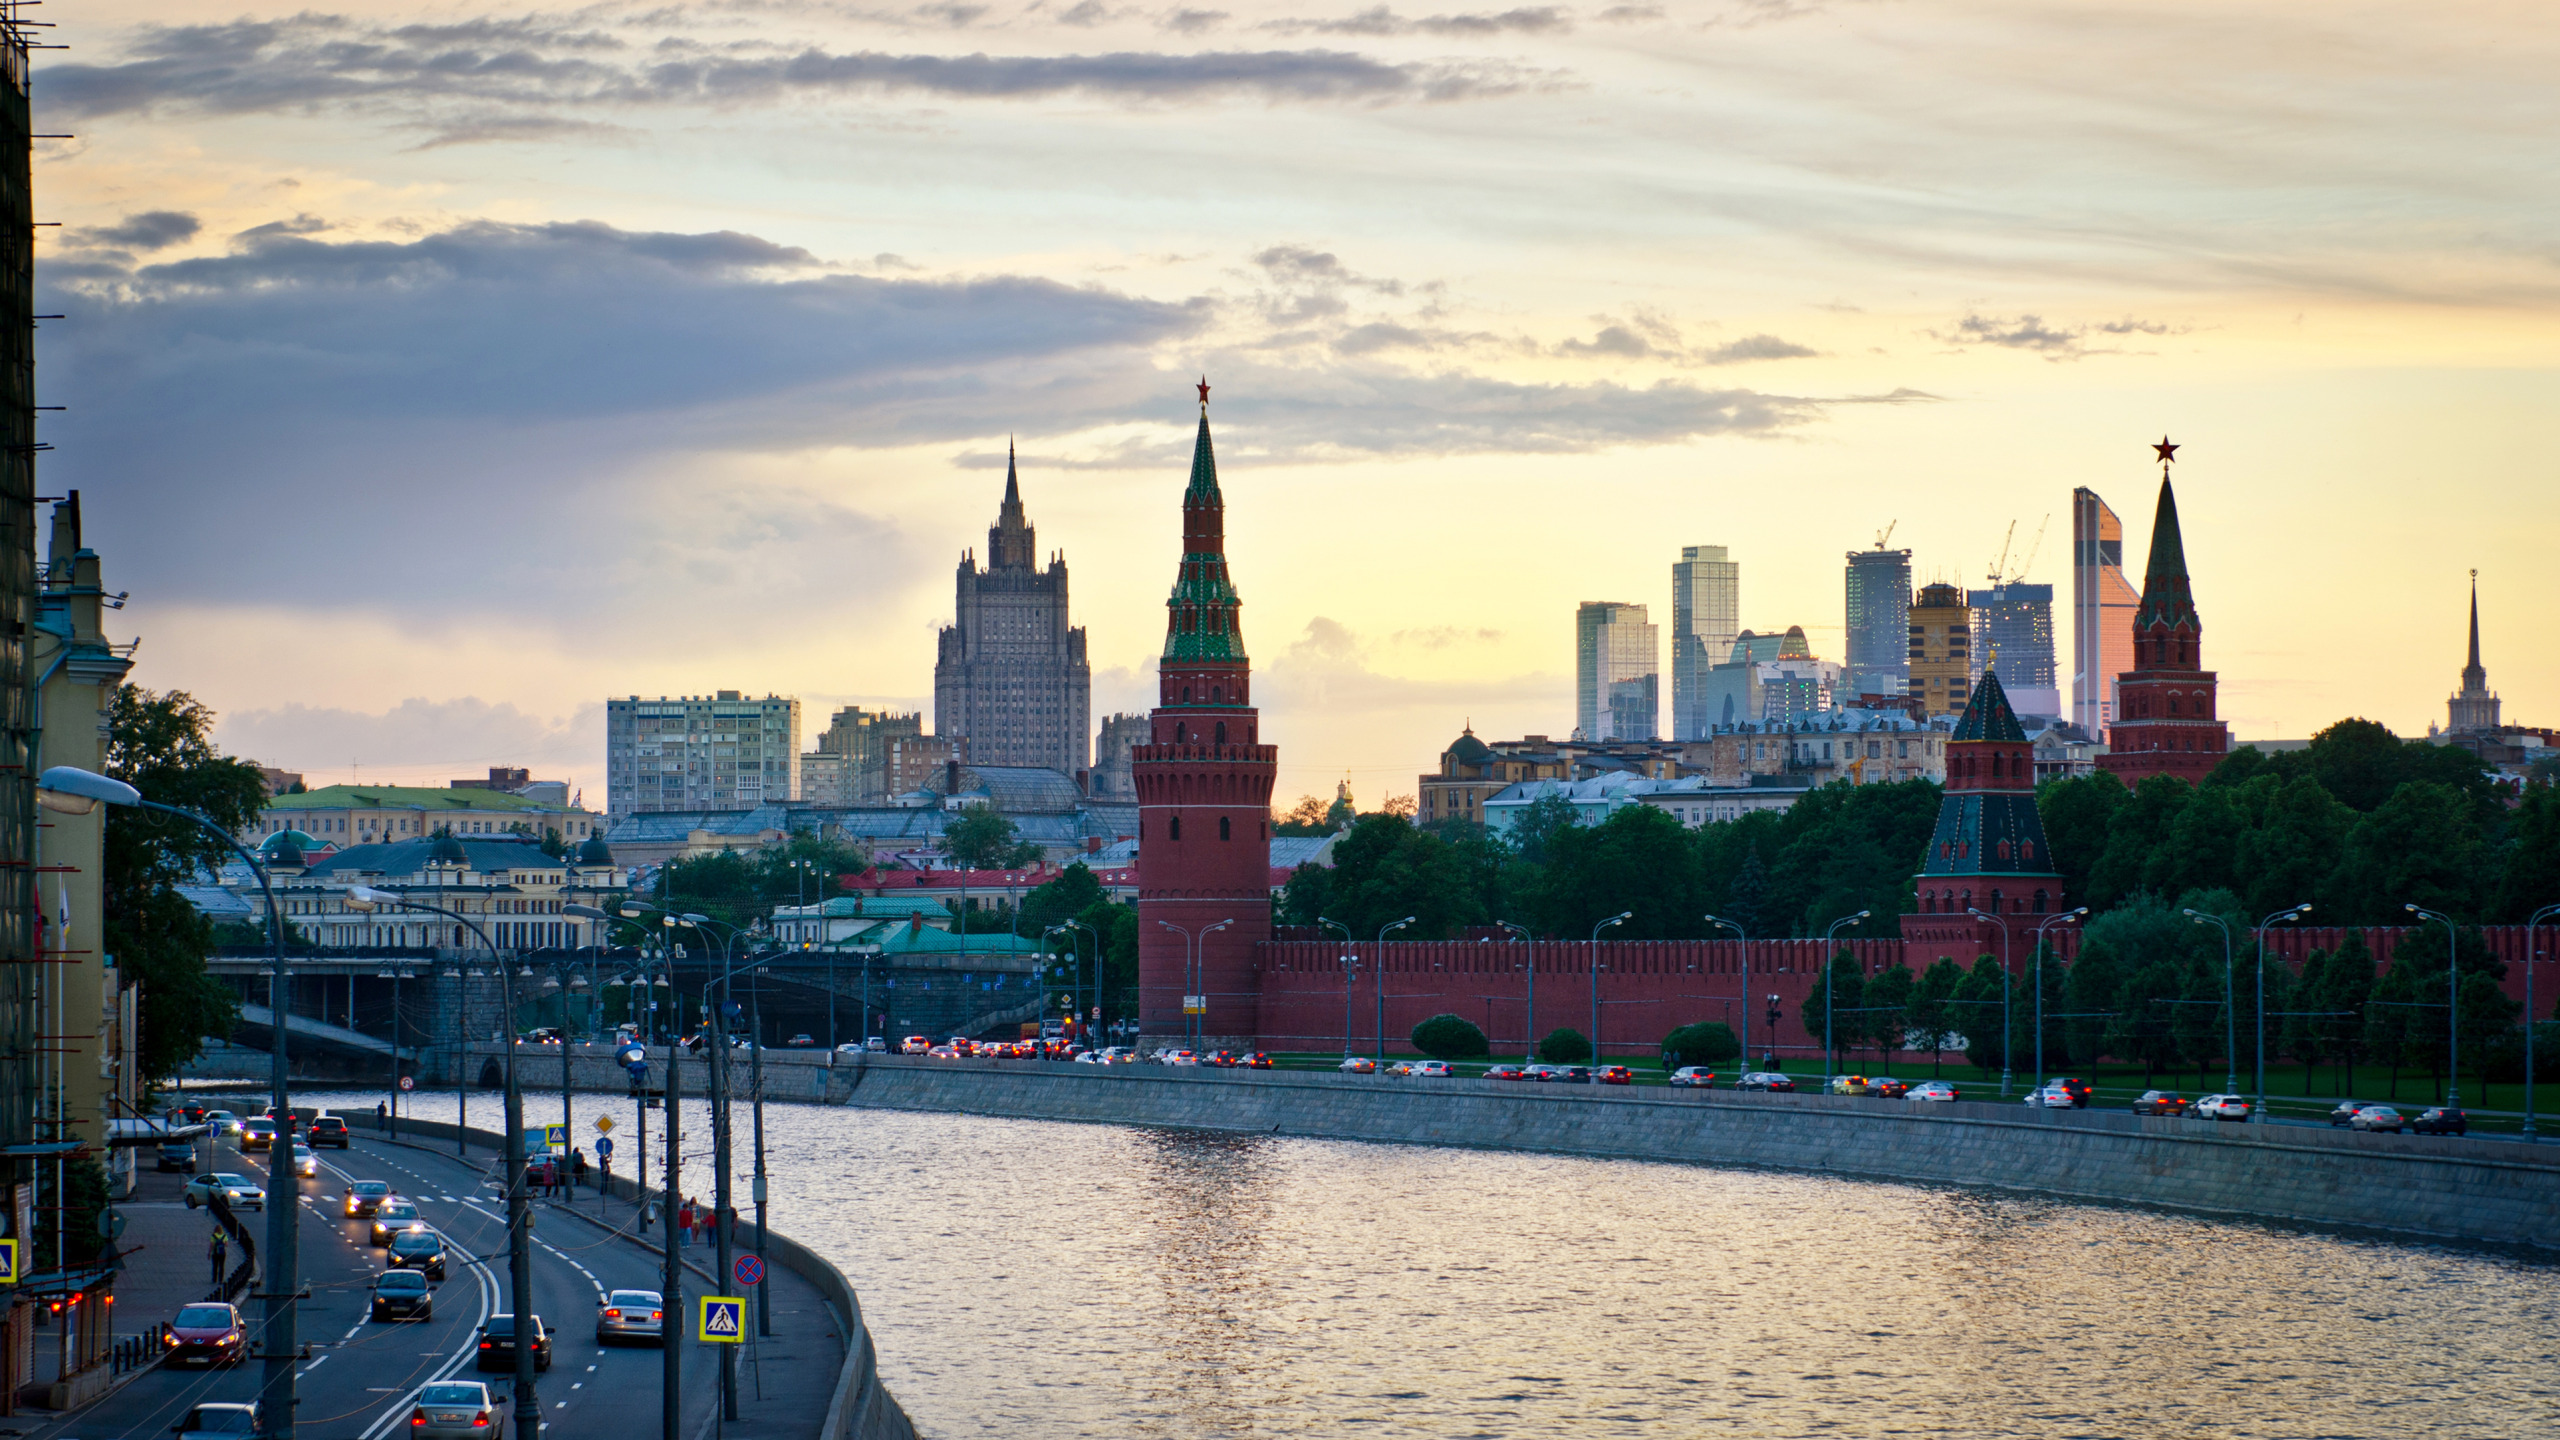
(604, 1144)
(724, 1319)
(748, 1269)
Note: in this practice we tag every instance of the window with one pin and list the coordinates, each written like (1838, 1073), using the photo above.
(1175, 828)
(1222, 828)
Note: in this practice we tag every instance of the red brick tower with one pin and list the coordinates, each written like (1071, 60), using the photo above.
(2165, 713)
(1204, 796)
(1988, 852)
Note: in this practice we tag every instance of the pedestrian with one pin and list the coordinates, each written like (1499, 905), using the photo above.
(381, 1117)
(218, 1251)
(684, 1223)
(578, 1170)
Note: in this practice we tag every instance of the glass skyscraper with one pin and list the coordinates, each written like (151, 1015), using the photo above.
(1617, 672)
(2013, 625)
(1706, 615)
(1879, 660)
(2102, 606)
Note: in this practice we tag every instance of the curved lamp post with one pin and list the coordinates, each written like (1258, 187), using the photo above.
(2538, 916)
(2007, 1031)
(69, 790)
(1831, 1057)
(519, 1230)
(1744, 937)
(2065, 918)
(1529, 1025)
(1378, 980)
(1350, 966)
(1621, 918)
(2258, 1112)
(2452, 1006)
(1088, 1027)
(2230, 1012)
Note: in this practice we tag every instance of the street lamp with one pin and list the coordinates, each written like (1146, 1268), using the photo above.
(2230, 1012)
(1378, 981)
(1530, 1025)
(2258, 1112)
(1190, 953)
(69, 790)
(1621, 918)
(1830, 1056)
(1350, 964)
(2008, 1032)
(519, 1216)
(2535, 919)
(2065, 918)
(2452, 1007)
(1740, 935)
(1093, 938)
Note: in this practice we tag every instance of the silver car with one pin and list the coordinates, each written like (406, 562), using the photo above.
(631, 1315)
(458, 1410)
(240, 1190)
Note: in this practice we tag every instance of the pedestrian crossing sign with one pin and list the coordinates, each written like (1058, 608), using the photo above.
(8, 1262)
(724, 1318)
(556, 1136)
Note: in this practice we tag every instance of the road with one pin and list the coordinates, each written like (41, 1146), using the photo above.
(361, 1377)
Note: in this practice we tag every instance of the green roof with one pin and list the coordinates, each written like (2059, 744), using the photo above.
(1987, 715)
(407, 797)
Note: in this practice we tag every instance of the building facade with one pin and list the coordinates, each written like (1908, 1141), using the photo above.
(850, 762)
(1204, 793)
(2102, 607)
(723, 751)
(2013, 624)
(1011, 678)
(1706, 615)
(2473, 709)
(2169, 723)
(1941, 650)
(338, 816)
(1617, 672)
(1879, 616)
(1111, 777)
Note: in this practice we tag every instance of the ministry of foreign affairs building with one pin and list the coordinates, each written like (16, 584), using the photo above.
(1011, 680)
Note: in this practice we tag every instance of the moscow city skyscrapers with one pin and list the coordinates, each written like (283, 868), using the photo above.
(1706, 615)
(2013, 628)
(1617, 672)
(2102, 606)
(1879, 621)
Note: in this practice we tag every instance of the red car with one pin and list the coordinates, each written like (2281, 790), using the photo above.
(1614, 1075)
(1888, 1088)
(207, 1334)
(1505, 1072)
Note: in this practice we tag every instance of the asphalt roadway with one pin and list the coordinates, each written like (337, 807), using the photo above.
(361, 1378)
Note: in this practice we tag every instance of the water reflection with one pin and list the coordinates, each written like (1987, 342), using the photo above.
(1062, 1280)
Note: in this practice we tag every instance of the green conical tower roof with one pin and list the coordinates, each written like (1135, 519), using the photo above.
(2166, 594)
(1203, 489)
(1987, 716)
(1201, 619)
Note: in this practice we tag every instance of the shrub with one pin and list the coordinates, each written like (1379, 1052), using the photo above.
(1564, 1047)
(1449, 1037)
(1709, 1042)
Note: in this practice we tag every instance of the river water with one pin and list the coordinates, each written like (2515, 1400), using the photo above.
(1025, 1278)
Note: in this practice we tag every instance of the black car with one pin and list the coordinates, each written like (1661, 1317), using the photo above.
(1764, 1080)
(417, 1250)
(327, 1130)
(2442, 1120)
(403, 1295)
(498, 1344)
(1572, 1075)
(2345, 1114)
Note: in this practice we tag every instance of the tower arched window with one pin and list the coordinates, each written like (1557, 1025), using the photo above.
(2173, 702)
(1214, 693)
(1186, 694)
(2040, 899)
(1222, 732)
(1222, 829)
(1179, 735)
(1175, 827)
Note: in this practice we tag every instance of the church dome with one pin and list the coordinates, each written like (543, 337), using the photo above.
(1468, 750)
(595, 852)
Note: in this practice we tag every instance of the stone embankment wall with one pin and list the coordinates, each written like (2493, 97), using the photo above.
(2499, 1191)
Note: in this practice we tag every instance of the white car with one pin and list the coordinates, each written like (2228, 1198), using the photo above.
(1180, 1057)
(1429, 1070)
(2051, 1097)
(1699, 1077)
(2222, 1107)
(223, 1122)
(1358, 1065)
(305, 1164)
(239, 1190)
(1938, 1090)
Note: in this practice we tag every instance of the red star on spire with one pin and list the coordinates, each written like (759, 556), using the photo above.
(2166, 451)
(1204, 389)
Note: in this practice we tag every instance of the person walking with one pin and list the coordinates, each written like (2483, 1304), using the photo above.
(577, 1171)
(684, 1223)
(218, 1250)
(382, 1117)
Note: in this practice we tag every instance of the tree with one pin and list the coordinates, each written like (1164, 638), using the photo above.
(2076, 814)
(2089, 993)
(1640, 860)
(1835, 999)
(2137, 831)
(1065, 898)
(981, 839)
(1307, 817)
(2306, 1033)
(1888, 1010)
(1564, 1047)
(2292, 845)
(1450, 1037)
(1932, 1013)
(1708, 1042)
(1385, 870)
(2143, 1026)
(2485, 1016)
(163, 746)
(2531, 877)
(1535, 829)
(1979, 1012)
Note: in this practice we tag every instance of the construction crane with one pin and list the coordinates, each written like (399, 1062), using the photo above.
(1886, 533)
(2032, 547)
(2001, 574)
(2000, 566)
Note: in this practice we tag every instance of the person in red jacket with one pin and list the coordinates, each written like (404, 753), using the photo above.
(684, 1223)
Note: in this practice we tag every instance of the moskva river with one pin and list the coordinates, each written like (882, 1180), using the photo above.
(1025, 1278)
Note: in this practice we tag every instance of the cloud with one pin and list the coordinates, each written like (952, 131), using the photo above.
(1328, 670)
(1378, 20)
(1629, 14)
(463, 736)
(1647, 336)
(144, 230)
(2054, 342)
(1193, 22)
(308, 62)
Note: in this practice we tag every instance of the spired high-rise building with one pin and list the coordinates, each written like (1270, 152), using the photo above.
(2102, 607)
(1011, 679)
(1617, 672)
(2474, 710)
(1706, 616)
(1879, 617)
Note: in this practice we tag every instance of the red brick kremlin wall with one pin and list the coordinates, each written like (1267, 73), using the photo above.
(1650, 987)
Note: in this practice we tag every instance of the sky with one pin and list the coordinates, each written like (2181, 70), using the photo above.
(434, 372)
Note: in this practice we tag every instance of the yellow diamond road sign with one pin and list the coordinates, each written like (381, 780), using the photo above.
(604, 1124)
(724, 1318)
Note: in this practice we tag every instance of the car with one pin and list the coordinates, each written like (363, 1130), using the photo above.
(207, 1334)
(1885, 1087)
(1613, 1075)
(876, 1045)
(236, 1190)
(1092, 1057)
(1571, 1075)
(1358, 1065)
(2077, 1089)
(257, 1134)
(218, 1422)
(1769, 1080)
(419, 1250)
(1937, 1090)
(2345, 1114)
(1694, 1077)
(1846, 1085)
(2441, 1120)
(542, 1170)
(498, 1343)
(392, 1217)
(1400, 1068)
(1505, 1071)
(1223, 1059)
(915, 1045)
(802, 1042)
(305, 1164)
(189, 1114)
(2050, 1097)
(2160, 1102)
(329, 1130)
(1254, 1060)
(366, 1196)
(849, 1048)
(178, 1155)
(631, 1315)
(1543, 1073)
(458, 1410)
(1181, 1057)
(403, 1295)
(2380, 1117)
(1432, 1070)
(223, 1122)
(2222, 1107)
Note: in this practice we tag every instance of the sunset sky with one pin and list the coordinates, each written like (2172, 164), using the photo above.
(436, 371)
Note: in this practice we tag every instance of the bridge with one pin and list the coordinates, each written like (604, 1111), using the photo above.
(257, 1027)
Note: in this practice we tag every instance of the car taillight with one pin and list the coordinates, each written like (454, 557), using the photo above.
(613, 1314)
(657, 1314)
(418, 1417)
(484, 1345)
(480, 1420)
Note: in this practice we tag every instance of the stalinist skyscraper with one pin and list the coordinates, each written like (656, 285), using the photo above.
(1011, 678)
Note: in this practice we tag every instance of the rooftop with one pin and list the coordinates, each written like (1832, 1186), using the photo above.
(410, 797)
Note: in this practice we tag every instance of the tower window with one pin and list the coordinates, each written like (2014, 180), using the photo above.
(1222, 828)
(1176, 828)
(1222, 732)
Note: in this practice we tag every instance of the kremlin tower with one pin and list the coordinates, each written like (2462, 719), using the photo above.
(2165, 715)
(1988, 852)
(1204, 798)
